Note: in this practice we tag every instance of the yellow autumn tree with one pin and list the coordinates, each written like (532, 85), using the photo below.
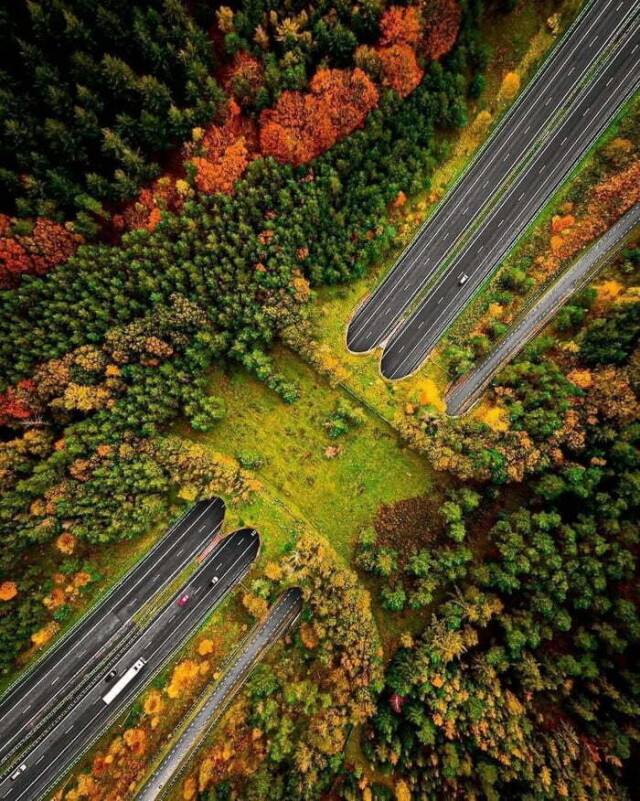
(608, 291)
(66, 543)
(153, 703)
(205, 647)
(273, 571)
(183, 676)
(189, 788)
(510, 85)
(429, 395)
(43, 635)
(493, 416)
(581, 378)
(135, 740)
(255, 606)
(84, 398)
(86, 785)
(402, 791)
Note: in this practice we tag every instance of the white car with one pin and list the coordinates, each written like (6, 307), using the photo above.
(463, 279)
(18, 772)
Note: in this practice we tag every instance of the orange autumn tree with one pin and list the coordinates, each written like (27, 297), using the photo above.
(8, 590)
(301, 125)
(400, 68)
(294, 131)
(400, 25)
(221, 170)
(347, 95)
(221, 152)
(441, 24)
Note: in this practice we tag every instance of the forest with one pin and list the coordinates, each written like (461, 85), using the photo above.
(188, 191)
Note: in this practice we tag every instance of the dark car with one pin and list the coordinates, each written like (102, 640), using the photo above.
(111, 674)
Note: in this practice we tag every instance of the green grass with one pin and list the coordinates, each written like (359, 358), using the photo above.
(302, 487)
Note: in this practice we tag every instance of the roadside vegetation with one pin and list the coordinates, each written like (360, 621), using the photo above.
(470, 624)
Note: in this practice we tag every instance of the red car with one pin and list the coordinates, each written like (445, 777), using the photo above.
(184, 599)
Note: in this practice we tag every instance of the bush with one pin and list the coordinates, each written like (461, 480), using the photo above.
(206, 412)
(251, 460)
(344, 416)
(393, 598)
(62, 614)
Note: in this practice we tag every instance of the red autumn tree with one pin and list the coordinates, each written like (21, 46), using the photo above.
(302, 125)
(400, 25)
(441, 24)
(400, 68)
(37, 253)
(17, 402)
(244, 78)
(50, 244)
(220, 154)
(617, 194)
(146, 210)
(14, 261)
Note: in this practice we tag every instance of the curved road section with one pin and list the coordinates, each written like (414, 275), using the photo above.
(56, 676)
(465, 392)
(529, 122)
(281, 616)
(130, 671)
(552, 164)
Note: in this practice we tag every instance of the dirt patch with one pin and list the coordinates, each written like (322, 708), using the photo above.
(409, 525)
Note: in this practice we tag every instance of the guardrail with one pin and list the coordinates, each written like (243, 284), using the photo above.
(118, 641)
(555, 185)
(150, 792)
(137, 689)
(626, 225)
(478, 155)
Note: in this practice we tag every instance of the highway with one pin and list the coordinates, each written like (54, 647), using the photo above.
(281, 616)
(593, 110)
(525, 127)
(466, 391)
(57, 675)
(74, 731)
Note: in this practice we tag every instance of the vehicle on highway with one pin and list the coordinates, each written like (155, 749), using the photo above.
(463, 279)
(214, 580)
(183, 600)
(124, 680)
(18, 772)
(111, 674)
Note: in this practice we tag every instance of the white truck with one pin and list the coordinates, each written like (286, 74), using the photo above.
(124, 680)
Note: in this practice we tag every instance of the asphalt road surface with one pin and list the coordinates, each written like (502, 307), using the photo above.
(59, 672)
(597, 105)
(281, 616)
(466, 391)
(66, 739)
(525, 127)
